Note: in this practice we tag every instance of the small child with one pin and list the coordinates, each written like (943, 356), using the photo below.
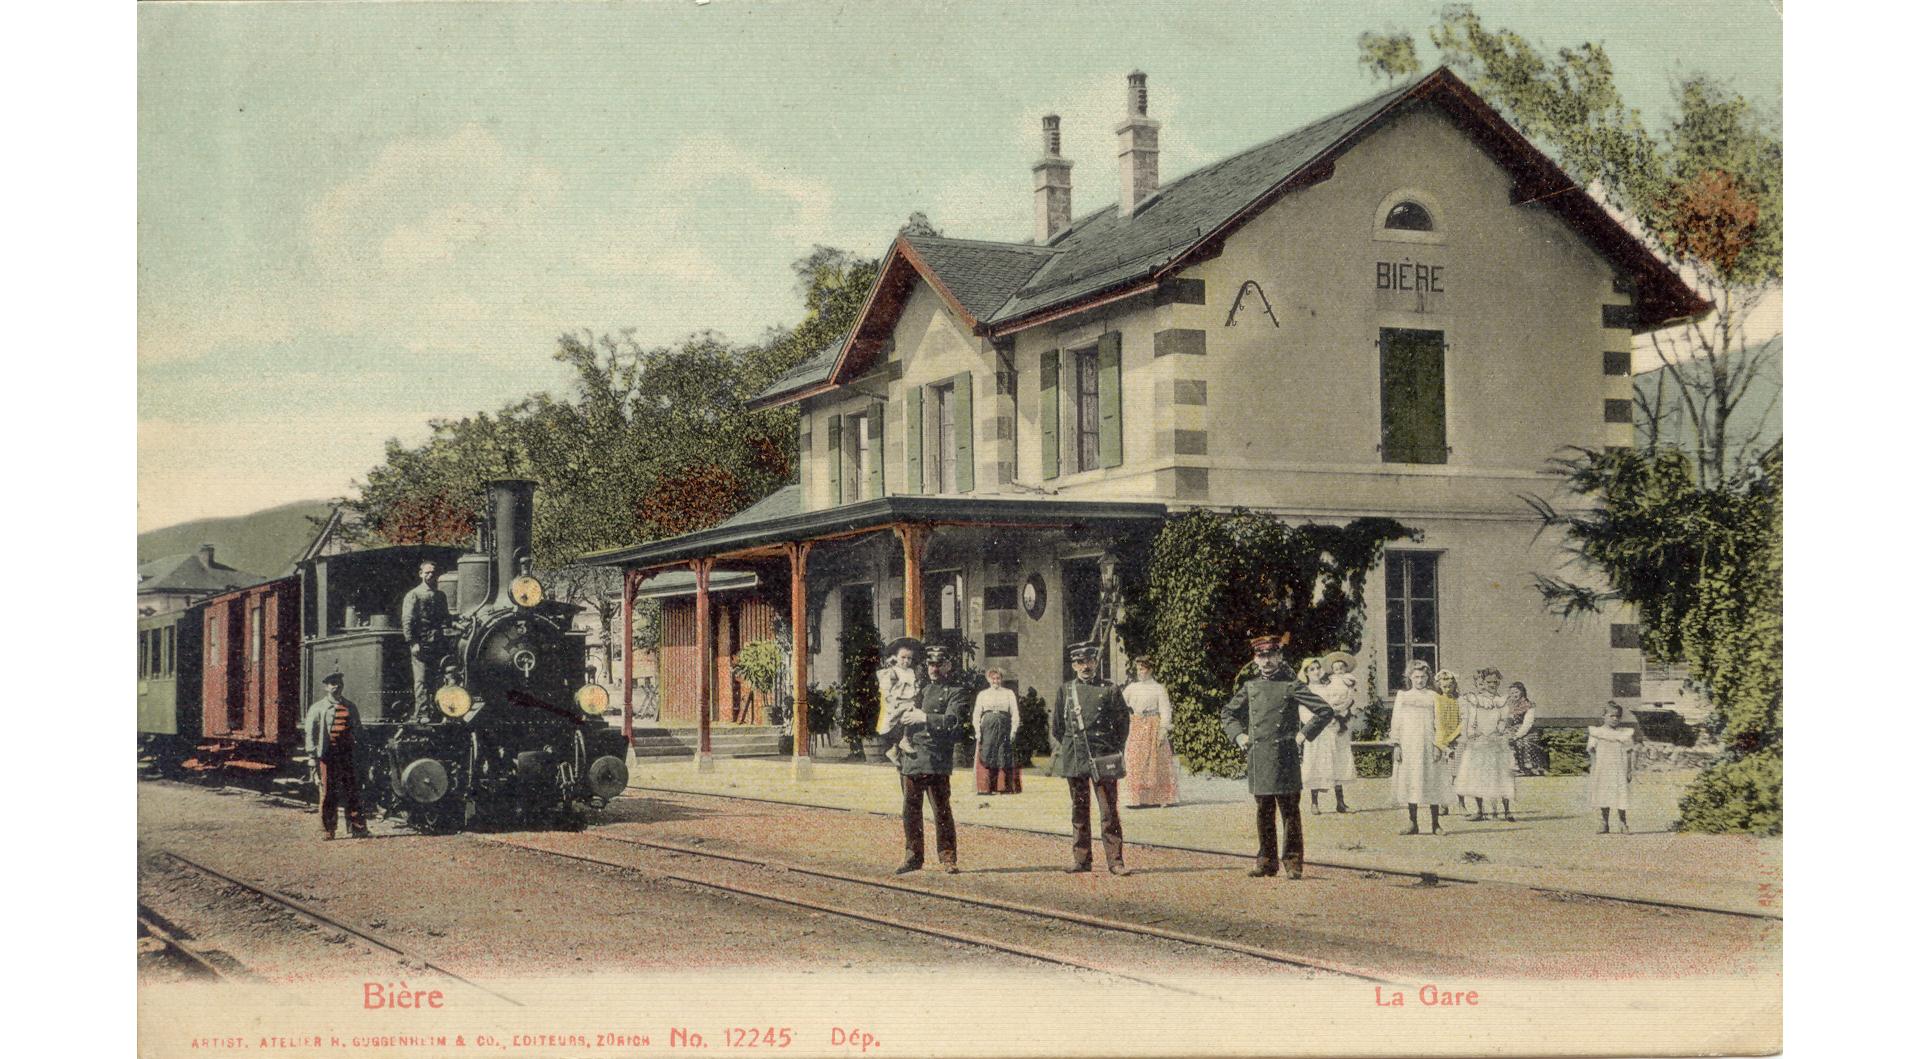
(1610, 771)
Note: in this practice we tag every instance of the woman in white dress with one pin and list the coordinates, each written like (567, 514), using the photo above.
(1610, 771)
(1419, 764)
(1327, 759)
(1486, 754)
(1150, 775)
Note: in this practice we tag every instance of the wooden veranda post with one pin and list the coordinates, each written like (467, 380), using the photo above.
(629, 584)
(913, 542)
(802, 735)
(703, 670)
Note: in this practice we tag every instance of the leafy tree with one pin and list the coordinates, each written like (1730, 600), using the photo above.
(1703, 569)
(1703, 188)
(1213, 580)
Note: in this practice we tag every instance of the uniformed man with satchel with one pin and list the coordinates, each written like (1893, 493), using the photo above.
(926, 737)
(1089, 729)
(1262, 718)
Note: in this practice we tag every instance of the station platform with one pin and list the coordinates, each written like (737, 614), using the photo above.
(1552, 843)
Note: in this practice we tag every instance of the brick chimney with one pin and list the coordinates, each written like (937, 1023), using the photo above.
(1139, 148)
(1052, 184)
(206, 556)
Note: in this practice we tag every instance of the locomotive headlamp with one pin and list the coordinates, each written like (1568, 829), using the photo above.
(453, 700)
(526, 591)
(592, 698)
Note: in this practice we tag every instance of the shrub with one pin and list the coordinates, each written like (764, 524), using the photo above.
(1566, 751)
(1736, 795)
(1210, 580)
(758, 663)
(1373, 762)
(823, 705)
(1032, 738)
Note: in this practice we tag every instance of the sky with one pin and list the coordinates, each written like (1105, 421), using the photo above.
(355, 218)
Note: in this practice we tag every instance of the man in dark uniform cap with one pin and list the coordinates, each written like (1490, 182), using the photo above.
(1262, 718)
(1090, 720)
(927, 734)
(332, 728)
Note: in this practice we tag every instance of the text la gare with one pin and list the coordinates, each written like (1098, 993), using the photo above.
(1430, 995)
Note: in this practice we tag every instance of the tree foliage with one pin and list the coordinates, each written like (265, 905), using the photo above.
(1702, 566)
(1213, 580)
(651, 442)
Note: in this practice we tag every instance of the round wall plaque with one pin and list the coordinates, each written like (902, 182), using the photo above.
(1033, 596)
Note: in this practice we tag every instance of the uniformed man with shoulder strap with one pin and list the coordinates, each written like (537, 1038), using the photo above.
(1262, 718)
(1089, 729)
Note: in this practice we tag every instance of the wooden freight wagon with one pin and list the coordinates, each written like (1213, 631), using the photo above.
(250, 677)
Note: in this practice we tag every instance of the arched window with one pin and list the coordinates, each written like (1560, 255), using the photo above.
(1409, 216)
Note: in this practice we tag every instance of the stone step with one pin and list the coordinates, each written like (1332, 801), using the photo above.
(726, 742)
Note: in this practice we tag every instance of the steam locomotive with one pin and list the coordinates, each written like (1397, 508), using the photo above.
(514, 729)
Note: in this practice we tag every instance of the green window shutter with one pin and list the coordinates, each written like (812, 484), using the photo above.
(913, 426)
(833, 460)
(1413, 396)
(876, 449)
(1109, 364)
(963, 432)
(1050, 414)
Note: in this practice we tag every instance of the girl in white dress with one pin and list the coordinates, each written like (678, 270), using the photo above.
(1327, 760)
(1419, 764)
(1610, 772)
(1486, 753)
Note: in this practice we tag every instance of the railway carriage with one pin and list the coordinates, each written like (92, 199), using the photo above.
(168, 698)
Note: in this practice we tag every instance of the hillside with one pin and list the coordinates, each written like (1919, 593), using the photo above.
(264, 542)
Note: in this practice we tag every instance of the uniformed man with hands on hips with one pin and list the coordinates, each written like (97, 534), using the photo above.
(1089, 728)
(926, 736)
(1262, 718)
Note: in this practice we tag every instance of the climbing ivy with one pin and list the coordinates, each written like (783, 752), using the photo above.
(1211, 580)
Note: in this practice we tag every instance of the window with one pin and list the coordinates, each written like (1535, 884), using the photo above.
(1409, 216)
(946, 605)
(1086, 371)
(1413, 396)
(942, 441)
(853, 438)
(143, 655)
(257, 635)
(1413, 613)
(166, 651)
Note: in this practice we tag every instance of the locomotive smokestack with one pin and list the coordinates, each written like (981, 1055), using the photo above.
(510, 507)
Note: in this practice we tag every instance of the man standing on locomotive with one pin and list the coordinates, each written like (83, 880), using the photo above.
(332, 728)
(425, 622)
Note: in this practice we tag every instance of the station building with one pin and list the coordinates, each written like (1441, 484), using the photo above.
(1402, 309)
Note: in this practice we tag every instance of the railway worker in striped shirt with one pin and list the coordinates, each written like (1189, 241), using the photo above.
(332, 727)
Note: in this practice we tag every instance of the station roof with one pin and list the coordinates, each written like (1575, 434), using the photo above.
(779, 520)
(997, 288)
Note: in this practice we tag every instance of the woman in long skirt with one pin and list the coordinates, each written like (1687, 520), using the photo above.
(1327, 759)
(1610, 772)
(1529, 757)
(1486, 758)
(996, 719)
(1419, 763)
(1446, 727)
(1150, 776)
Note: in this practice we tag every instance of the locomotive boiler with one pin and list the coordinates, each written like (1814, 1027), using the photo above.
(513, 729)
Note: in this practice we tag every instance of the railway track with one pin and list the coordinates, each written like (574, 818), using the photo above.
(167, 938)
(1052, 921)
(321, 918)
(1426, 877)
